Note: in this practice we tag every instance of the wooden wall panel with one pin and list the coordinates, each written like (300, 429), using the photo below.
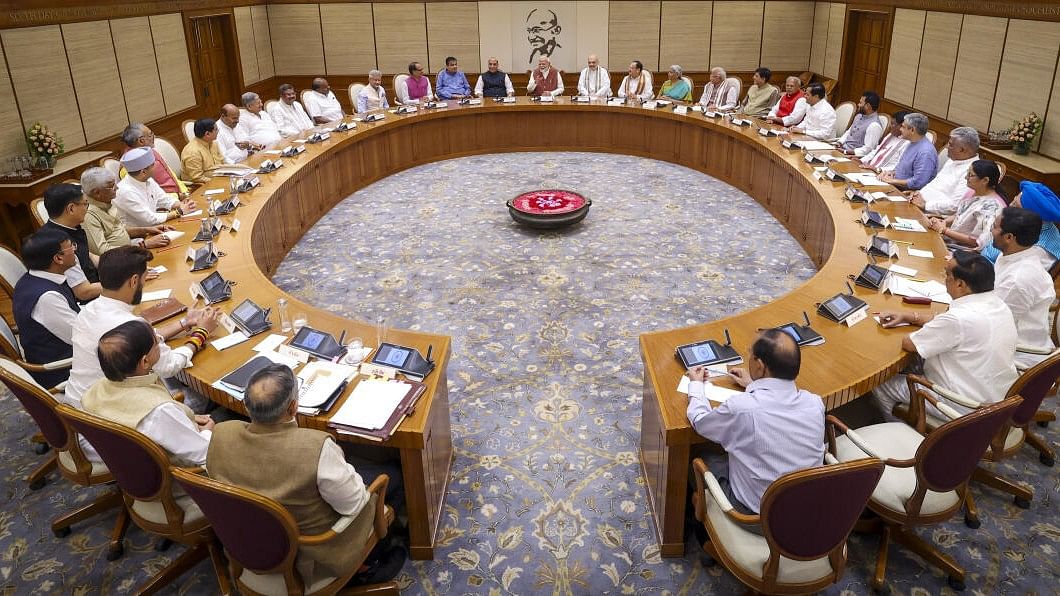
(592, 37)
(1030, 56)
(833, 49)
(138, 69)
(174, 69)
(349, 41)
(787, 34)
(1050, 144)
(976, 71)
(248, 51)
(262, 41)
(907, 35)
(35, 55)
(629, 38)
(452, 30)
(821, 14)
(12, 139)
(736, 41)
(297, 47)
(685, 38)
(401, 36)
(94, 71)
(938, 58)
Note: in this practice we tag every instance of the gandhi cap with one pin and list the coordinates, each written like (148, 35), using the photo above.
(137, 159)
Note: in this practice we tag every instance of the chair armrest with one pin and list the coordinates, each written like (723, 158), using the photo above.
(178, 396)
(378, 487)
(952, 396)
(830, 459)
(327, 535)
(60, 388)
(707, 482)
(56, 365)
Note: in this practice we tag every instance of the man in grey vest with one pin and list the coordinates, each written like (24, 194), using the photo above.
(866, 130)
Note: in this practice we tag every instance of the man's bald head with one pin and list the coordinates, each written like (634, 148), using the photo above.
(121, 349)
(269, 394)
(779, 353)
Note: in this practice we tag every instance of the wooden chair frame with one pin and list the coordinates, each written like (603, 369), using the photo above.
(13, 352)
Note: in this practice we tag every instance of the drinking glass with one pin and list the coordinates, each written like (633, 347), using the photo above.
(381, 329)
(300, 320)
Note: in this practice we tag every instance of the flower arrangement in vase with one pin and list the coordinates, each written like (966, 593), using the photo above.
(44, 145)
(1023, 133)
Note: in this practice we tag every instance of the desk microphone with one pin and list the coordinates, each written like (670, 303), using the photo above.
(806, 318)
(430, 348)
(728, 340)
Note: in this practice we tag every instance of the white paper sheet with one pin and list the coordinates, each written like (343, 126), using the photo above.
(907, 225)
(371, 404)
(232, 339)
(270, 343)
(902, 270)
(172, 234)
(924, 254)
(156, 295)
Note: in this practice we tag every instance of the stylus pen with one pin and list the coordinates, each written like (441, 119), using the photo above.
(342, 336)
(430, 348)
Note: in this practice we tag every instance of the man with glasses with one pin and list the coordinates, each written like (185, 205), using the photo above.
(452, 84)
(417, 87)
(139, 135)
(67, 208)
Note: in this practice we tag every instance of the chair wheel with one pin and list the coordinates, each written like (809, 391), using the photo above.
(163, 544)
(61, 532)
(972, 522)
(38, 483)
(956, 584)
(1022, 503)
(115, 553)
(41, 448)
(1043, 423)
(1046, 460)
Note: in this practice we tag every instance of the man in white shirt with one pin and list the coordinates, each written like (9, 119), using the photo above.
(133, 396)
(260, 128)
(321, 104)
(790, 109)
(637, 84)
(232, 137)
(545, 79)
(719, 94)
(417, 88)
(140, 201)
(1021, 282)
(594, 81)
(865, 132)
(372, 96)
(819, 122)
(968, 349)
(494, 82)
(949, 185)
(886, 155)
(288, 114)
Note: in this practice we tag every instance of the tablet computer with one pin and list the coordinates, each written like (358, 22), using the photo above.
(705, 353)
(800, 333)
(840, 306)
(318, 343)
(215, 288)
(871, 276)
(250, 318)
(407, 360)
(882, 247)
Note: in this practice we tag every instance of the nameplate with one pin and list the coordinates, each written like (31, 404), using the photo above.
(286, 350)
(856, 317)
(193, 290)
(618, 101)
(227, 322)
(508, 100)
(697, 108)
(741, 122)
(474, 102)
(378, 370)
(650, 105)
(235, 226)
(546, 98)
(373, 117)
(580, 99)
(682, 110)
(190, 255)
(787, 144)
(833, 175)
(711, 114)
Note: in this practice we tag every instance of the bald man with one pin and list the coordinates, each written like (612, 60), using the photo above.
(321, 103)
(232, 138)
(594, 80)
(545, 80)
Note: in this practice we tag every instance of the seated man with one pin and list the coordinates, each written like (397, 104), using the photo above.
(288, 114)
(968, 349)
(67, 208)
(140, 200)
(259, 125)
(133, 396)
(372, 96)
(321, 104)
(103, 228)
(637, 84)
(919, 160)
(760, 96)
(819, 121)
(866, 130)
(886, 155)
(1021, 281)
(748, 425)
(317, 485)
(676, 85)
(719, 94)
(790, 109)
(451, 82)
(201, 155)
(138, 135)
(948, 187)
(594, 80)
(494, 82)
(1036, 197)
(232, 138)
(417, 88)
(44, 305)
(545, 79)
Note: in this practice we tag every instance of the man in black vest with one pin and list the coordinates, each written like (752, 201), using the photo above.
(494, 82)
(66, 210)
(44, 305)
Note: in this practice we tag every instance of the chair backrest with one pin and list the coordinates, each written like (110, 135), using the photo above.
(9, 346)
(39, 211)
(736, 83)
(1033, 385)
(170, 154)
(11, 270)
(885, 122)
(844, 114)
(809, 514)
(188, 128)
(932, 136)
(355, 90)
(805, 78)
(111, 165)
(1001, 168)
(303, 95)
(944, 156)
(399, 83)
(39, 403)
(269, 104)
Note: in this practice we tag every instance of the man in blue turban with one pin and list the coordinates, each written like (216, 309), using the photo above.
(1038, 198)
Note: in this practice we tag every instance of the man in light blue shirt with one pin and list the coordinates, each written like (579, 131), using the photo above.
(920, 161)
(451, 82)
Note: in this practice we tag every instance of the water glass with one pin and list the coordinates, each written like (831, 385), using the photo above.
(381, 329)
(300, 320)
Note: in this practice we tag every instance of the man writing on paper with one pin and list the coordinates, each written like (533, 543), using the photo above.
(545, 80)
(372, 96)
(594, 80)
(771, 429)
(288, 114)
(140, 200)
(201, 155)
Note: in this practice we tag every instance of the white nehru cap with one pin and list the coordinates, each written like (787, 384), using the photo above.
(137, 159)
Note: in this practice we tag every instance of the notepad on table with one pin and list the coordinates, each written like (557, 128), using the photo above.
(371, 404)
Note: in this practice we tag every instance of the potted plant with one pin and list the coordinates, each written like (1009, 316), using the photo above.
(1023, 133)
(44, 145)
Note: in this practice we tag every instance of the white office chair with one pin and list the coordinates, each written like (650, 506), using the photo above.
(885, 121)
(355, 90)
(269, 104)
(933, 136)
(170, 154)
(188, 126)
(39, 211)
(111, 165)
(11, 348)
(739, 87)
(302, 96)
(399, 83)
(944, 156)
(11, 270)
(844, 114)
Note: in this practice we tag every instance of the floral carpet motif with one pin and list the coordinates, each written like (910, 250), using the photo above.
(546, 493)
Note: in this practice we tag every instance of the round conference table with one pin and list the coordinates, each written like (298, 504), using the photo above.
(275, 215)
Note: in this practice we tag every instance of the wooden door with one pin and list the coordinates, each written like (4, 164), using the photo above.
(211, 39)
(866, 54)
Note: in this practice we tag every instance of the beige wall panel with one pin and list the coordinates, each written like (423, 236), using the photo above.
(94, 70)
(822, 11)
(592, 34)
(904, 62)
(297, 48)
(833, 49)
(1030, 56)
(938, 57)
(452, 30)
(975, 75)
(496, 39)
(262, 41)
(174, 70)
(401, 36)
(633, 34)
(248, 51)
(12, 139)
(138, 68)
(349, 41)
(737, 38)
(685, 35)
(787, 33)
(1050, 144)
(36, 54)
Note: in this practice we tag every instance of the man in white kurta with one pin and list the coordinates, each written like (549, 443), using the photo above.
(950, 184)
(321, 103)
(1021, 282)
(257, 123)
(720, 94)
(288, 114)
(790, 109)
(140, 201)
(232, 138)
(594, 80)
(819, 122)
(372, 96)
(637, 84)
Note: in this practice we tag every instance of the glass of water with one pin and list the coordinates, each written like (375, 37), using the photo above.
(381, 329)
(300, 320)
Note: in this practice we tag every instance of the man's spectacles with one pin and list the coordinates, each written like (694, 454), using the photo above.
(71, 248)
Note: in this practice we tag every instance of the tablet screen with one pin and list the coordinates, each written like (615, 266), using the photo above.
(881, 244)
(244, 311)
(699, 353)
(312, 340)
(873, 274)
(392, 356)
(839, 305)
(212, 281)
(791, 330)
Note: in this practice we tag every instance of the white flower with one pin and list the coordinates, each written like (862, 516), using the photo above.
(627, 506)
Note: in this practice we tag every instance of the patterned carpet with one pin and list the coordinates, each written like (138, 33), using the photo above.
(546, 494)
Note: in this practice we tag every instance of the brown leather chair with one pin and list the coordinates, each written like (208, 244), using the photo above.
(262, 539)
(66, 455)
(142, 470)
(926, 477)
(806, 518)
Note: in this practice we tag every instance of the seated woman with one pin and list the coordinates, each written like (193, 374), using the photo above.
(676, 86)
(971, 225)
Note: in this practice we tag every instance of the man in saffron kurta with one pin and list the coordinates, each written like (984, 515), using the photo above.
(545, 80)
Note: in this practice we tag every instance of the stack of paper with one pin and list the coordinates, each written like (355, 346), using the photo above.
(900, 286)
(371, 404)
(905, 224)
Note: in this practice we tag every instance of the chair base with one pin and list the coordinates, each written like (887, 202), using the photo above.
(106, 502)
(901, 535)
(383, 589)
(39, 477)
(191, 557)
